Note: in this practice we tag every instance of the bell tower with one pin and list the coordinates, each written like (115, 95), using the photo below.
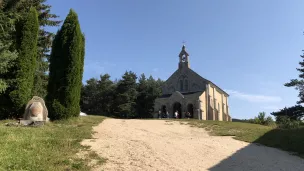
(183, 58)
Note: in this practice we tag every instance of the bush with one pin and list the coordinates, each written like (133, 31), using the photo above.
(269, 121)
(260, 119)
(284, 122)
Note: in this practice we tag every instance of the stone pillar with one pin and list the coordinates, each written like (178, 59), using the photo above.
(170, 108)
(227, 112)
(203, 114)
(199, 114)
(207, 100)
(214, 104)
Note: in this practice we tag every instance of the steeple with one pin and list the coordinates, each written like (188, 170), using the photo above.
(183, 58)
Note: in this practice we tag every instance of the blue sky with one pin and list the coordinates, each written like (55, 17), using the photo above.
(248, 48)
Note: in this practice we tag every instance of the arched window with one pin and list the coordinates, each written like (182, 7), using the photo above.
(186, 85)
(181, 85)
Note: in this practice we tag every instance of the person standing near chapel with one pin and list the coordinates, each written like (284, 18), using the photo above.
(176, 114)
(167, 114)
(188, 115)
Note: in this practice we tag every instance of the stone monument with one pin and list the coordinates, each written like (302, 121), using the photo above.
(36, 110)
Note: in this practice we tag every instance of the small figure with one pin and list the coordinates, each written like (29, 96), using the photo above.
(159, 114)
(167, 114)
(176, 114)
(189, 115)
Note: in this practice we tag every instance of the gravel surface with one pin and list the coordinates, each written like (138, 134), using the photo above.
(131, 145)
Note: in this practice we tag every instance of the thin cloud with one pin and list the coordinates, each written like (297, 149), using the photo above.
(97, 67)
(274, 108)
(109, 64)
(256, 98)
(155, 69)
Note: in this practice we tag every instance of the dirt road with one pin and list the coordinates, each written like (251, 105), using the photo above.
(131, 145)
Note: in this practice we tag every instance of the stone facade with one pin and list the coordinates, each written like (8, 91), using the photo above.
(186, 91)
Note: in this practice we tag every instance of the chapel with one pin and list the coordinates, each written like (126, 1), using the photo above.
(191, 95)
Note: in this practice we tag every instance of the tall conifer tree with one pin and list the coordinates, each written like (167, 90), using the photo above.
(66, 69)
(125, 98)
(298, 83)
(141, 100)
(7, 61)
(15, 10)
(26, 62)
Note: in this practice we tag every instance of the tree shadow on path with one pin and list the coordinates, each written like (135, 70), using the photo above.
(261, 158)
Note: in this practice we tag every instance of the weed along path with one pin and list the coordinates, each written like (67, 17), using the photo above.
(168, 145)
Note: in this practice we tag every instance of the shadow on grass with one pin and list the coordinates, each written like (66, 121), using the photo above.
(259, 157)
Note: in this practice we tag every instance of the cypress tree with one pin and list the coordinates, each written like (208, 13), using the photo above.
(66, 69)
(24, 70)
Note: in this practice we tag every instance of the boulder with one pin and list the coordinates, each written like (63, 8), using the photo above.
(36, 110)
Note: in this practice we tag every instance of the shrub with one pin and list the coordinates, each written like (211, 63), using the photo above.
(260, 119)
(269, 121)
(284, 122)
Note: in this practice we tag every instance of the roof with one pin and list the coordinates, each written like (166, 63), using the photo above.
(209, 82)
(185, 94)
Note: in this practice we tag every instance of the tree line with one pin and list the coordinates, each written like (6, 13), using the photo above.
(129, 97)
(35, 62)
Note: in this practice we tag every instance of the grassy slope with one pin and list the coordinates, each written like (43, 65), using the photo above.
(289, 140)
(52, 147)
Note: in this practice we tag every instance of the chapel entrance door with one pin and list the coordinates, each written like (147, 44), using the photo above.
(177, 107)
(190, 110)
(164, 111)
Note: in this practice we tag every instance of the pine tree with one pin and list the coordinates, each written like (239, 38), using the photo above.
(97, 96)
(16, 9)
(7, 59)
(153, 91)
(293, 113)
(66, 67)
(125, 99)
(298, 83)
(141, 100)
(44, 44)
(26, 62)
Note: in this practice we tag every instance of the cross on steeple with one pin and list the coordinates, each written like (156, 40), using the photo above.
(184, 42)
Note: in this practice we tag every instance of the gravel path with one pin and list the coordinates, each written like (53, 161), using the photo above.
(131, 145)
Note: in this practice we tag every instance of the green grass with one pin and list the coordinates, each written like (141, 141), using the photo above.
(291, 140)
(51, 147)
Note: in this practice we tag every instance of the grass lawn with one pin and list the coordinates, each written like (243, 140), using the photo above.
(51, 147)
(289, 140)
